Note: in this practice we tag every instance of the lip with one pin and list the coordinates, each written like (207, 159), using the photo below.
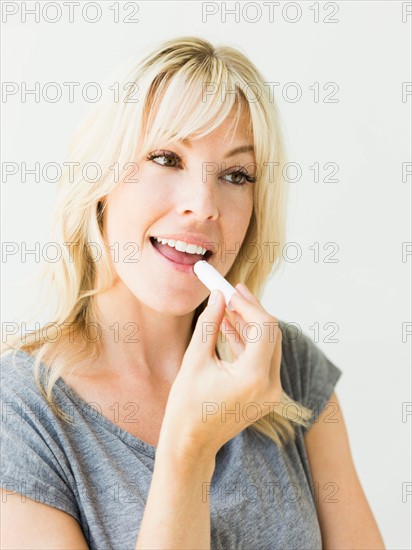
(183, 268)
(199, 239)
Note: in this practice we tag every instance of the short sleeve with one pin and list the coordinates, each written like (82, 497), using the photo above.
(319, 377)
(311, 376)
(32, 463)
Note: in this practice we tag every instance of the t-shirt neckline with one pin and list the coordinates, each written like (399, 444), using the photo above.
(131, 440)
(126, 436)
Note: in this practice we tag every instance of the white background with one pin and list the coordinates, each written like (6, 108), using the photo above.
(367, 213)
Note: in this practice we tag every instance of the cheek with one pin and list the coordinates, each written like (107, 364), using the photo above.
(132, 210)
(125, 223)
(236, 217)
(237, 210)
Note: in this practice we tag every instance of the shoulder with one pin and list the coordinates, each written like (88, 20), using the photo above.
(296, 343)
(34, 459)
(16, 368)
(17, 373)
(308, 375)
(22, 400)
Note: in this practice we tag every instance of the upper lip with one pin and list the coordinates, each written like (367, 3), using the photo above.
(191, 238)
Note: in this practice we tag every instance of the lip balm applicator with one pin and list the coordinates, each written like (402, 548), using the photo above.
(211, 278)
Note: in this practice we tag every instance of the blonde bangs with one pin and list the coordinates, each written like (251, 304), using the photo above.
(198, 112)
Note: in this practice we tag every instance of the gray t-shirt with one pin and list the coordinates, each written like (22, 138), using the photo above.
(261, 498)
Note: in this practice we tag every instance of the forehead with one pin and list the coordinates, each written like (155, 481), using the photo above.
(233, 136)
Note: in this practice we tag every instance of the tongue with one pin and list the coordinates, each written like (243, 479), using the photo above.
(176, 255)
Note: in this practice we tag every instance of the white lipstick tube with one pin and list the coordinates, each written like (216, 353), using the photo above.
(211, 278)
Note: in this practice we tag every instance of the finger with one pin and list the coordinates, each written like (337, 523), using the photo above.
(247, 294)
(243, 289)
(237, 322)
(258, 344)
(245, 307)
(206, 331)
(234, 339)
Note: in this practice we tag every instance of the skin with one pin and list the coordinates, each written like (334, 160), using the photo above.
(160, 301)
(155, 298)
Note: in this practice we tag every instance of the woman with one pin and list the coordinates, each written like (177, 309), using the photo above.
(154, 416)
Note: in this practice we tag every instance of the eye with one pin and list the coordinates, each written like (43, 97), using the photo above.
(242, 178)
(173, 160)
(166, 155)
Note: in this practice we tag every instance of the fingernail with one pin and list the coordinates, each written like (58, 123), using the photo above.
(242, 289)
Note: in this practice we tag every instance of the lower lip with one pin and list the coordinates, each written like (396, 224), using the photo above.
(183, 268)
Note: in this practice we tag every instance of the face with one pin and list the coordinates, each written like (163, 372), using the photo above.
(189, 189)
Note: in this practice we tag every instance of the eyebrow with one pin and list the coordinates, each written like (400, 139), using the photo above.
(240, 149)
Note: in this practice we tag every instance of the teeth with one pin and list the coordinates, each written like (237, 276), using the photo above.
(182, 246)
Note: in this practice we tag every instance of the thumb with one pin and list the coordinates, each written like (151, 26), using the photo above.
(207, 327)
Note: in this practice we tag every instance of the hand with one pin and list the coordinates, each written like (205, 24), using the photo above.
(199, 413)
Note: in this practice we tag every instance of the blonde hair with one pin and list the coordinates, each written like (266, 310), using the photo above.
(188, 68)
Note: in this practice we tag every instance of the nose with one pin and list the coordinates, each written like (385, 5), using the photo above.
(199, 198)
